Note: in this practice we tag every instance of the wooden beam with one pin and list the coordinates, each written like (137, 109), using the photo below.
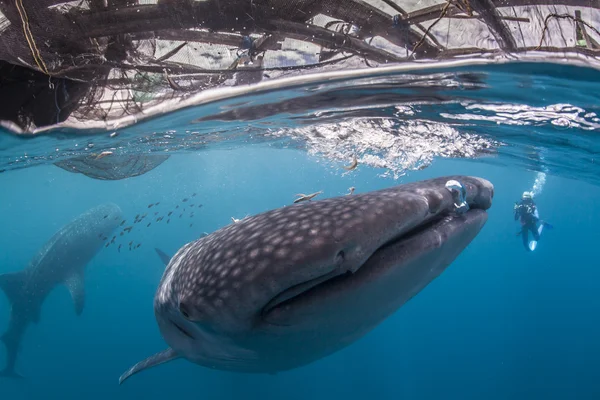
(185, 35)
(491, 17)
(403, 14)
(467, 51)
(374, 22)
(334, 40)
(569, 3)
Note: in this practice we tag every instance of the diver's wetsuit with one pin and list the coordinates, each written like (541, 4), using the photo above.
(527, 212)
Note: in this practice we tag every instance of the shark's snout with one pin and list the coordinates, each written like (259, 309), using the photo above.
(438, 217)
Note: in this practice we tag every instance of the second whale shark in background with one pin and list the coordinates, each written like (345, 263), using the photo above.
(62, 260)
(290, 286)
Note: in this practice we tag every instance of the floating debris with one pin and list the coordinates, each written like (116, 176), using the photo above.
(352, 165)
(306, 197)
(103, 154)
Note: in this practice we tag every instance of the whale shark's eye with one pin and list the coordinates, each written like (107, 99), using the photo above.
(184, 310)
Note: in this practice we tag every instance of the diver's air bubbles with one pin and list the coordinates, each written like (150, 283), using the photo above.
(538, 185)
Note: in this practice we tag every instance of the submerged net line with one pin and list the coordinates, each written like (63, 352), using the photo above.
(104, 59)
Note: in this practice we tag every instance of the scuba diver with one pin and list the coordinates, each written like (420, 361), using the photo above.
(526, 212)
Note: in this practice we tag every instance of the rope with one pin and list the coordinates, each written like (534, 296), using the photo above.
(443, 14)
(37, 57)
(562, 16)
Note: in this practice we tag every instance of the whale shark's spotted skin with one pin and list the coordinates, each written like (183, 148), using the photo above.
(289, 286)
(61, 260)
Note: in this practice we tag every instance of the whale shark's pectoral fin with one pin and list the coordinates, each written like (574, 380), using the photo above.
(152, 361)
(76, 286)
(164, 257)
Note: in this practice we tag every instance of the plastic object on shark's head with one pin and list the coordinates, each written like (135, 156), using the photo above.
(459, 194)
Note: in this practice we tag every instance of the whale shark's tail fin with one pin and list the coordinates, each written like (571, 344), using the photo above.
(12, 284)
(11, 341)
(10, 373)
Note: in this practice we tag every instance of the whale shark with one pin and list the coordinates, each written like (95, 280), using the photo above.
(62, 260)
(287, 287)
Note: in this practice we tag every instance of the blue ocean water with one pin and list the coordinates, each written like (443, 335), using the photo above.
(498, 323)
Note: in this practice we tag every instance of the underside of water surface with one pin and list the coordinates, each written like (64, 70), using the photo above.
(535, 115)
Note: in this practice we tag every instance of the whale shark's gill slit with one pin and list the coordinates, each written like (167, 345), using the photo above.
(299, 289)
(281, 300)
(295, 292)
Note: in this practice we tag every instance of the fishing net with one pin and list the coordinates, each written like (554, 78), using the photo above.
(101, 60)
(114, 168)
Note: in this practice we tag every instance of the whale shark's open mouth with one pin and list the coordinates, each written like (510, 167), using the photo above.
(437, 224)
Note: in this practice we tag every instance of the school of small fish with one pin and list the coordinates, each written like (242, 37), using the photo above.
(147, 220)
(158, 216)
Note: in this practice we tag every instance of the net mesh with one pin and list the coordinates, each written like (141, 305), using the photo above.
(104, 59)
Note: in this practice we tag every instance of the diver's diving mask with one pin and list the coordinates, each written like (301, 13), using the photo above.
(459, 194)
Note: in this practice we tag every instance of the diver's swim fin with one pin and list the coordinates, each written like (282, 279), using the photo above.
(547, 225)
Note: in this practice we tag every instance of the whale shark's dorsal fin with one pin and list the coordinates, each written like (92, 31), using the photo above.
(163, 256)
(13, 284)
(152, 361)
(75, 283)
